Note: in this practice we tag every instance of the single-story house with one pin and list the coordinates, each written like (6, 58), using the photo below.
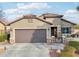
(3, 24)
(37, 29)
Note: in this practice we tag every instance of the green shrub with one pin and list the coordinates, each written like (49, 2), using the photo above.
(74, 44)
(70, 49)
(76, 26)
(67, 52)
(3, 37)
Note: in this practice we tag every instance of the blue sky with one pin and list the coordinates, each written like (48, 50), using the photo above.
(13, 10)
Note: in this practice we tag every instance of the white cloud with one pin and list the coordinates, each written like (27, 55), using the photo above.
(13, 17)
(71, 11)
(10, 10)
(72, 15)
(34, 6)
(25, 7)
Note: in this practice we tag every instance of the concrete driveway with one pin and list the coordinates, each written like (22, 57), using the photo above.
(28, 50)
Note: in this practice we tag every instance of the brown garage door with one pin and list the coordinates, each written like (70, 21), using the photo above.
(30, 36)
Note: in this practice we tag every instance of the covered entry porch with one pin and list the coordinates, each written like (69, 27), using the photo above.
(56, 34)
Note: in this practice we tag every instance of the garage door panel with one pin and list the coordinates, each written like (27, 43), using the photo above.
(30, 36)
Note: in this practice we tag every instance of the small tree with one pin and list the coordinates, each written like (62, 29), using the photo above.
(77, 8)
(3, 37)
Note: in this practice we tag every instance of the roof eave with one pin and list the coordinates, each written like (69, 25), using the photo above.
(27, 18)
(69, 22)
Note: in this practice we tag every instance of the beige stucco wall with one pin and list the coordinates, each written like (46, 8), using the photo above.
(37, 24)
(66, 24)
(24, 24)
(55, 21)
(50, 19)
(60, 23)
(2, 28)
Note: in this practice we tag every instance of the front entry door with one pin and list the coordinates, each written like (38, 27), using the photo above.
(54, 31)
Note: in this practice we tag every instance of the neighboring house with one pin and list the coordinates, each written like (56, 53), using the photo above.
(2, 26)
(37, 29)
(75, 34)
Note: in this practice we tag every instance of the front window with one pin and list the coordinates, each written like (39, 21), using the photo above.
(66, 30)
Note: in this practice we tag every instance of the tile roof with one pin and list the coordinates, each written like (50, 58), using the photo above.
(49, 15)
(68, 21)
(3, 21)
(29, 16)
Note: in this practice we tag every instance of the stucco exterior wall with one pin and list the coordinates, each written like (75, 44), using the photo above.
(66, 24)
(2, 28)
(55, 21)
(50, 19)
(37, 24)
(60, 23)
